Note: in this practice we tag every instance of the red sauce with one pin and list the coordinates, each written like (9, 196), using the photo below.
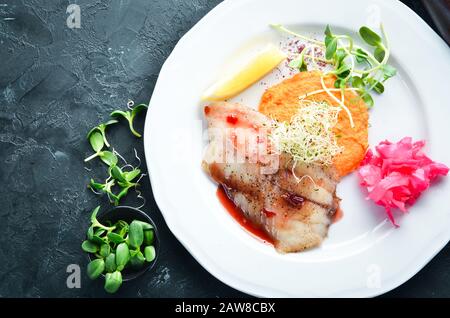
(337, 215)
(269, 214)
(206, 110)
(238, 215)
(232, 119)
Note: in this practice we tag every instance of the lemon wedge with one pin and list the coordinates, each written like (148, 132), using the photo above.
(252, 71)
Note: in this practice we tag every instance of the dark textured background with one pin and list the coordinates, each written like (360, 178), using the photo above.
(56, 83)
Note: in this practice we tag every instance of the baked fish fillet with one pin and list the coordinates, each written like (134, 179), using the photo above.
(293, 203)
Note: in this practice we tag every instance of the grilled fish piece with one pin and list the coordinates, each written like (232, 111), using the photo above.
(292, 203)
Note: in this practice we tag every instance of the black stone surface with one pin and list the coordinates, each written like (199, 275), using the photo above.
(55, 84)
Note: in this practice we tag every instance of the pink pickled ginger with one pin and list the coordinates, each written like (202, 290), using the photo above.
(397, 175)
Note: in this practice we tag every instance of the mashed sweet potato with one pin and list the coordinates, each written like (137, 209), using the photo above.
(281, 103)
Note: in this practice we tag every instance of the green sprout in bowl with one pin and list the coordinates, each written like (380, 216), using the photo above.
(116, 248)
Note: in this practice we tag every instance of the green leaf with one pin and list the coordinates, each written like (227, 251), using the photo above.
(123, 192)
(361, 56)
(343, 71)
(113, 281)
(89, 247)
(105, 249)
(136, 234)
(121, 224)
(337, 83)
(94, 215)
(117, 174)
(145, 225)
(369, 36)
(130, 175)
(137, 109)
(148, 237)
(115, 238)
(96, 141)
(357, 82)
(109, 158)
(328, 36)
(122, 228)
(331, 49)
(379, 54)
(129, 116)
(122, 255)
(133, 253)
(119, 113)
(388, 71)
(328, 31)
(340, 56)
(99, 232)
(138, 260)
(299, 63)
(149, 253)
(90, 233)
(95, 268)
(101, 128)
(377, 86)
(96, 128)
(303, 67)
(110, 263)
(296, 63)
(96, 186)
(367, 99)
(328, 40)
(98, 240)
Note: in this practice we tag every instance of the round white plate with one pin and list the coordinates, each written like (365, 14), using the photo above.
(364, 255)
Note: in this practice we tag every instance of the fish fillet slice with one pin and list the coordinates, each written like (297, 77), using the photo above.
(296, 215)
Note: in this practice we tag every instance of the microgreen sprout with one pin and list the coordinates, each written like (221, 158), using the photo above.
(120, 179)
(97, 142)
(102, 130)
(130, 115)
(117, 247)
(308, 138)
(109, 158)
(353, 66)
(299, 62)
(117, 177)
(96, 223)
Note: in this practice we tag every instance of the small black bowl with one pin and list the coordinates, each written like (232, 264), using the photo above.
(128, 214)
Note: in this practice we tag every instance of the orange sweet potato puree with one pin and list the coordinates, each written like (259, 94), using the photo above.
(281, 102)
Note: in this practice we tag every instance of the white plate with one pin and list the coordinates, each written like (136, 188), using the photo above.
(363, 254)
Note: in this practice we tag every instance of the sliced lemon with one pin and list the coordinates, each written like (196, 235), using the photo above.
(252, 71)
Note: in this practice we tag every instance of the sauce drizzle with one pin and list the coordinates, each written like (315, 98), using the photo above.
(232, 119)
(237, 214)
